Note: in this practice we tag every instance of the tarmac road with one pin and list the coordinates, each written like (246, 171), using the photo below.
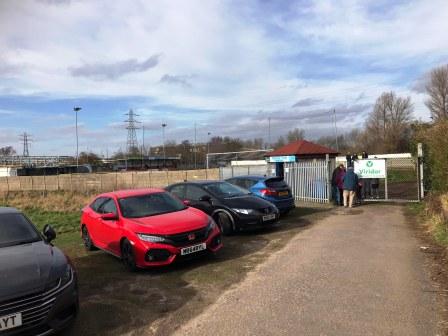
(357, 272)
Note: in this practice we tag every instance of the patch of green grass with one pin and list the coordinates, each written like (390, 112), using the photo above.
(62, 222)
(416, 208)
(66, 225)
(401, 175)
(440, 230)
(436, 223)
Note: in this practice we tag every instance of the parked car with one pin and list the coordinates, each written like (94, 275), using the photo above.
(147, 227)
(272, 189)
(38, 286)
(233, 208)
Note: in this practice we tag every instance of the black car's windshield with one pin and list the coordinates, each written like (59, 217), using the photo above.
(149, 205)
(15, 229)
(225, 189)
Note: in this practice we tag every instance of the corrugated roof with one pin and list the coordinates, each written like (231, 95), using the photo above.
(302, 147)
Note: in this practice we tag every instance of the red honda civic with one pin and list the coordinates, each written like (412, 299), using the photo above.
(147, 227)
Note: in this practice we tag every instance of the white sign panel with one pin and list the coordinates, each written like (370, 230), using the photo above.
(370, 168)
(284, 158)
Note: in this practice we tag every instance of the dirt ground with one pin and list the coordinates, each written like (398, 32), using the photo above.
(357, 272)
(115, 302)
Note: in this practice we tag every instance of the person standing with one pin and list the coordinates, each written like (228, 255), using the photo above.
(375, 184)
(350, 184)
(334, 184)
(340, 182)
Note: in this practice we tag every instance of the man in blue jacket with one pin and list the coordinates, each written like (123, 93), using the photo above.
(350, 185)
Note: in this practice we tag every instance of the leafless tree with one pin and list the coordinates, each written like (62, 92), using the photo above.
(388, 125)
(8, 150)
(437, 89)
(295, 135)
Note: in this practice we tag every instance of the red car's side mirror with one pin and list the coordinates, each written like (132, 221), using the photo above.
(109, 216)
(186, 202)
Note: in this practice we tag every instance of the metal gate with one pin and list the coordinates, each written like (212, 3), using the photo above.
(309, 180)
(402, 182)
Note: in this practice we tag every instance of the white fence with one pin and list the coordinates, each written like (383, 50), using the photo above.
(309, 180)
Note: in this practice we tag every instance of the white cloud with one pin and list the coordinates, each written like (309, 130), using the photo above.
(224, 56)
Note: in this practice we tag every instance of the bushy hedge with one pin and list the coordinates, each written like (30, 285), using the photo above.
(435, 146)
(435, 139)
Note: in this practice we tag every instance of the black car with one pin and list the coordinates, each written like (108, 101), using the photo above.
(38, 286)
(233, 208)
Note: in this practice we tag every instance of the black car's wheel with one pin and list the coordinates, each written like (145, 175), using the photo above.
(88, 244)
(225, 223)
(128, 256)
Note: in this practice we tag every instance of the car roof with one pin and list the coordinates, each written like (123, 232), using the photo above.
(198, 182)
(131, 192)
(8, 210)
(253, 177)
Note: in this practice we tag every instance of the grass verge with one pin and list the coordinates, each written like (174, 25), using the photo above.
(431, 214)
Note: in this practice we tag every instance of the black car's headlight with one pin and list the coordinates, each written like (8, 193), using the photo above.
(67, 276)
(244, 211)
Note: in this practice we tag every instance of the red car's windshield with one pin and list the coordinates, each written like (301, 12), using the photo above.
(149, 205)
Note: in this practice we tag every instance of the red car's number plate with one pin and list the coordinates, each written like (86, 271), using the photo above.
(193, 249)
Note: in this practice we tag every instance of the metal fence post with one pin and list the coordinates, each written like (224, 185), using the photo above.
(386, 192)
(420, 156)
(328, 177)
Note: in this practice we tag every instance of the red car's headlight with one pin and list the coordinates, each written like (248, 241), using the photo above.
(151, 239)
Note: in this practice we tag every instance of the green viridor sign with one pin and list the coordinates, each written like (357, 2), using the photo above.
(375, 168)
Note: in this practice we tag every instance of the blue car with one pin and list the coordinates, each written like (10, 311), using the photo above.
(272, 189)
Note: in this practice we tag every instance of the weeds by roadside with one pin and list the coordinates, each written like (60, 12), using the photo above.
(433, 215)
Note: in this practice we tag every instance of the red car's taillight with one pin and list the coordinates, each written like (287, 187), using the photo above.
(268, 192)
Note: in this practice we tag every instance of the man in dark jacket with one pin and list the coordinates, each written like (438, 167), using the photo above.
(334, 184)
(350, 185)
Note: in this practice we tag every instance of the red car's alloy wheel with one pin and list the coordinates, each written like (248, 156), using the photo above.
(127, 255)
(87, 240)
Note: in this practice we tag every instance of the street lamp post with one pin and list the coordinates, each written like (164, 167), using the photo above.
(76, 109)
(143, 146)
(163, 139)
(194, 149)
(208, 150)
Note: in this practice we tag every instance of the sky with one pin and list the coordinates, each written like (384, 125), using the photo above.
(226, 66)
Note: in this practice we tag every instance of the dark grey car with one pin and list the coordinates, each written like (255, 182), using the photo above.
(233, 208)
(38, 286)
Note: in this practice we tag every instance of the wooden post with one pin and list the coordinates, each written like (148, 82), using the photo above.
(7, 183)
